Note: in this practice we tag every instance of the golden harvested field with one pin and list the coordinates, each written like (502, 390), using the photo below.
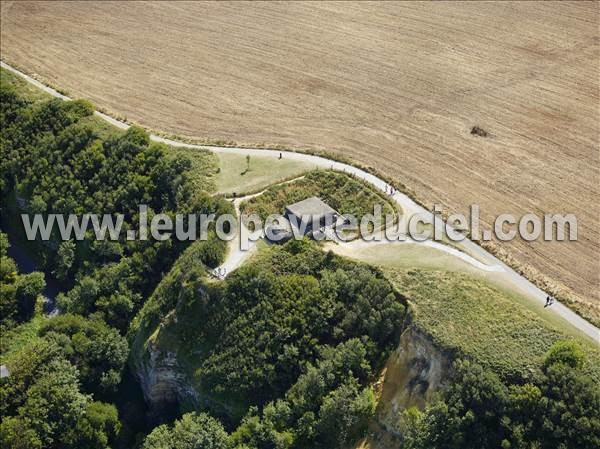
(396, 86)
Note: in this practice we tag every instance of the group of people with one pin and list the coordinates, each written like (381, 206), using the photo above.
(220, 273)
(549, 301)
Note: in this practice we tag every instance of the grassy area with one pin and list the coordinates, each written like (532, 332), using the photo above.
(396, 122)
(102, 127)
(394, 256)
(26, 89)
(406, 255)
(497, 328)
(238, 176)
(205, 167)
(229, 173)
(15, 339)
(343, 192)
(34, 95)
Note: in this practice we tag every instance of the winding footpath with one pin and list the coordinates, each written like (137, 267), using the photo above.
(360, 244)
(236, 258)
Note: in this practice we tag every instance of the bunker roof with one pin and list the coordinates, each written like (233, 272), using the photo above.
(311, 206)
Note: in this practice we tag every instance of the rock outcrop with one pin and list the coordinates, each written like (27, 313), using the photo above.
(163, 381)
(413, 373)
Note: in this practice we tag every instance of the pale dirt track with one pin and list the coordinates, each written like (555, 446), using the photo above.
(236, 257)
(396, 86)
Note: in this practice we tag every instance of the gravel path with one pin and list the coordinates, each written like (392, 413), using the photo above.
(235, 258)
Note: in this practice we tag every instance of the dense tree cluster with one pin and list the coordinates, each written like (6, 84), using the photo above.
(44, 403)
(19, 292)
(294, 339)
(96, 349)
(55, 160)
(558, 408)
(59, 162)
(327, 407)
(271, 323)
(192, 431)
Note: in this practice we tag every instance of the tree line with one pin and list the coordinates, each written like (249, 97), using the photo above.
(56, 160)
(66, 380)
(283, 351)
(286, 349)
(296, 340)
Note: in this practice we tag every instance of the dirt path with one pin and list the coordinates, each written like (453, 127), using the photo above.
(234, 258)
(349, 247)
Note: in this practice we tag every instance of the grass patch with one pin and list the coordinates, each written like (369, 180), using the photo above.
(205, 167)
(229, 173)
(24, 88)
(32, 94)
(101, 127)
(238, 177)
(406, 256)
(17, 338)
(493, 326)
(341, 191)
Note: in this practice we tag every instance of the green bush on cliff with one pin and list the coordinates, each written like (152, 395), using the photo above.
(558, 408)
(55, 160)
(298, 330)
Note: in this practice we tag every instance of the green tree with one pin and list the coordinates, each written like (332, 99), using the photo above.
(473, 413)
(192, 431)
(24, 371)
(37, 205)
(558, 408)
(15, 434)
(97, 428)
(65, 258)
(9, 307)
(344, 415)
(29, 288)
(98, 351)
(262, 432)
(54, 403)
(18, 292)
(567, 352)
(569, 407)
(161, 437)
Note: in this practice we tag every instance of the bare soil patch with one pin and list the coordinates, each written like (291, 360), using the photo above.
(397, 86)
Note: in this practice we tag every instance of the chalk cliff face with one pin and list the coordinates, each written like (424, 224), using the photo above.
(167, 383)
(163, 380)
(413, 373)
